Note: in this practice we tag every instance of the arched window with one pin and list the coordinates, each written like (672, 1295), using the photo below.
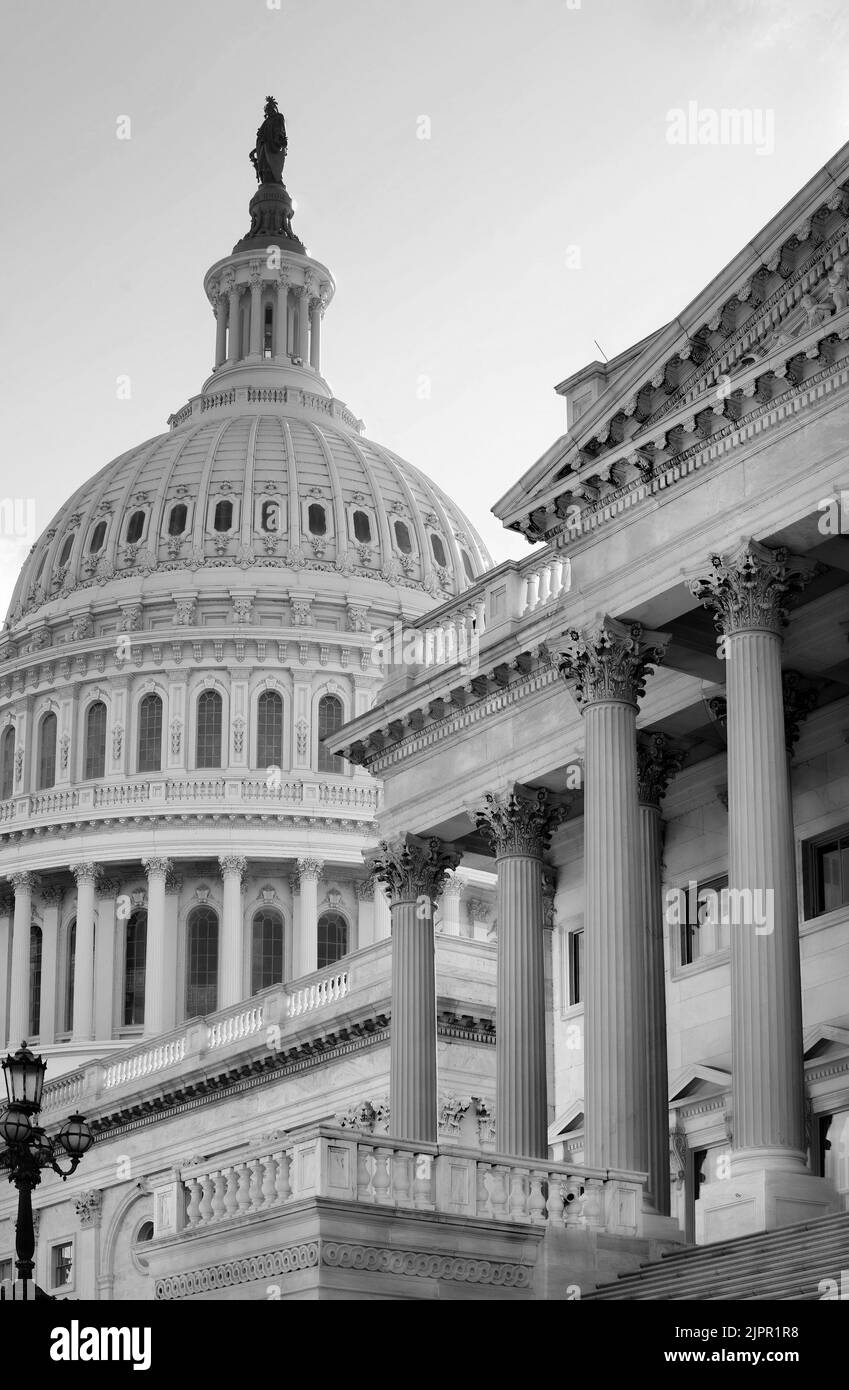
(267, 327)
(47, 751)
(135, 526)
(7, 763)
(98, 536)
(270, 516)
(223, 516)
(317, 519)
(266, 950)
(95, 740)
(135, 956)
(70, 962)
(40, 571)
(144, 1232)
(65, 552)
(202, 962)
(177, 519)
(362, 528)
(467, 566)
(34, 981)
(332, 938)
(150, 734)
(208, 740)
(269, 729)
(438, 550)
(402, 538)
(330, 716)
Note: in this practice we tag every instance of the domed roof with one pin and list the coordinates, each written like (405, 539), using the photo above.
(258, 486)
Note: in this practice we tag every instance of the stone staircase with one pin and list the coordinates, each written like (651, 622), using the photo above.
(783, 1264)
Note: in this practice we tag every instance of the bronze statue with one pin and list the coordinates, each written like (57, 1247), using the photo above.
(269, 154)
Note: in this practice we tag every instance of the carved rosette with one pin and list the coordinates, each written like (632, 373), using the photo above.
(656, 766)
(156, 865)
(233, 864)
(88, 1207)
(800, 698)
(749, 587)
(412, 867)
(611, 661)
(520, 821)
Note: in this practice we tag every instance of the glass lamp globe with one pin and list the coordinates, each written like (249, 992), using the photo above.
(23, 1073)
(41, 1146)
(75, 1136)
(15, 1125)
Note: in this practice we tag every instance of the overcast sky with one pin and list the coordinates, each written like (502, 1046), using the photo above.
(547, 209)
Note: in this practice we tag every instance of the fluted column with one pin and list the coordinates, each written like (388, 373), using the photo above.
(24, 885)
(452, 892)
(156, 982)
(413, 870)
(233, 869)
(256, 312)
(607, 666)
(281, 319)
(316, 315)
(104, 957)
(656, 766)
(51, 897)
(220, 330)
(306, 954)
(303, 323)
(365, 913)
(233, 323)
(382, 913)
(86, 876)
(518, 827)
(747, 592)
(6, 912)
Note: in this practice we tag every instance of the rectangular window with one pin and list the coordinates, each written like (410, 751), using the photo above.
(826, 872)
(5, 1270)
(61, 1264)
(706, 929)
(576, 966)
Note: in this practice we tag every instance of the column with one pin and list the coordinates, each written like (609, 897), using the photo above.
(233, 868)
(452, 890)
(256, 312)
(281, 319)
(607, 667)
(51, 897)
(656, 766)
(747, 592)
(86, 876)
(173, 885)
(518, 826)
(156, 981)
(382, 913)
(303, 322)
(25, 885)
(105, 944)
(306, 944)
(365, 913)
(220, 330)
(316, 315)
(233, 323)
(413, 870)
(6, 910)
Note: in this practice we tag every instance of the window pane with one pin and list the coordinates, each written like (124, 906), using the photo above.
(576, 967)
(95, 741)
(438, 551)
(329, 720)
(332, 938)
(202, 963)
(7, 764)
(65, 553)
(34, 981)
(208, 742)
(177, 520)
(98, 536)
(269, 738)
(61, 1264)
(150, 734)
(134, 969)
(135, 528)
(402, 538)
(317, 522)
(223, 516)
(47, 752)
(362, 528)
(266, 951)
(830, 878)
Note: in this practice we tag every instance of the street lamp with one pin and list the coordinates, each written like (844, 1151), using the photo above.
(29, 1149)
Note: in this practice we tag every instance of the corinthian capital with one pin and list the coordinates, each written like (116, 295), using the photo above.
(519, 821)
(748, 588)
(157, 864)
(611, 660)
(85, 873)
(24, 882)
(412, 867)
(233, 864)
(656, 766)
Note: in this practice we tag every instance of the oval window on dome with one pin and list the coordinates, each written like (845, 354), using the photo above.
(135, 527)
(362, 528)
(223, 516)
(402, 538)
(467, 566)
(438, 550)
(67, 547)
(177, 519)
(40, 571)
(317, 518)
(98, 536)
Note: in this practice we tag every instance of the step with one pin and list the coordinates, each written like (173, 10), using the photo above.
(819, 1253)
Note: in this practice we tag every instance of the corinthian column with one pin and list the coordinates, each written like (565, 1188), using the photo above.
(518, 827)
(220, 309)
(24, 884)
(256, 310)
(656, 766)
(747, 591)
(86, 876)
(608, 665)
(233, 867)
(155, 980)
(413, 870)
(306, 946)
(234, 322)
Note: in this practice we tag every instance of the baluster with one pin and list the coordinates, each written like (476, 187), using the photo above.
(499, 1191)
(219, 1204)
(381, 1179)
(545, 585)
(536, 1203)
(518, 1207)
(255, 1189)
(363, 1173)
(573, 1203)
(482, 1191)
(556, 1203)
(556, 577)
(423, 1185)
(284, 1191)
(205, 1210)
(192, 1214)
(401, 1178)
(231, 1202)
(269, 1167)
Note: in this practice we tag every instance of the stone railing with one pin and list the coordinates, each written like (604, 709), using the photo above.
(328, 1162)
(244, 1024)
(318, 994)
(144, 1063)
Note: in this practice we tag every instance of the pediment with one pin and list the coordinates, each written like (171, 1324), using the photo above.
(698, 1082)
(825, 1040)
(568, 1122)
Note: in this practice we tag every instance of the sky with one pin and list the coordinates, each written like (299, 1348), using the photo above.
(491, 183)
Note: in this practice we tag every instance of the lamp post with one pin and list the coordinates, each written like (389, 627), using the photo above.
(29, 1149)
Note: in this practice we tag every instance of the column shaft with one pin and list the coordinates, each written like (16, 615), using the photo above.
(315, 336)
(655, 979)
(232, 869)
(24, 885)
(382, 914)
(256, 318)
(281, 320)
(303, 325)
(234, 326)
(156, 981)
(308, 922)
(104, 963)
(412, 1080)
(220, 331)
(521, 1101)
(82, 1029)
